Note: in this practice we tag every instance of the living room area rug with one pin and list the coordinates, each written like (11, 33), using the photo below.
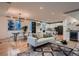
(45, 50)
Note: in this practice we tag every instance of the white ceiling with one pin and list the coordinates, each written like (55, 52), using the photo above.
(50, 10)
(75, 15)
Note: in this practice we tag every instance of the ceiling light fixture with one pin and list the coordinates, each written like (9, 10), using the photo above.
(41, 8)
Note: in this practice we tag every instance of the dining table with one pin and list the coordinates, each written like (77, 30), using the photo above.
(15, 34)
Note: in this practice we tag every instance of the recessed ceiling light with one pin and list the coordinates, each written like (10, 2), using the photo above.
(41, 8)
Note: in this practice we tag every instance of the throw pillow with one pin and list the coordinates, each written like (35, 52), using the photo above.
(49, 34)
(39, 35)
(45, 36)
(34, 35)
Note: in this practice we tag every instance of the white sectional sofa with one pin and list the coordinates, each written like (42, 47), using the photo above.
(37, 42)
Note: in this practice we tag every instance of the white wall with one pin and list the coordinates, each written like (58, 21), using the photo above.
(54, 25)
(4, 33)
(65, 28)
(3, 28)
(69, 24)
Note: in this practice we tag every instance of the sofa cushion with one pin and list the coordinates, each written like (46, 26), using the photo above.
(34, 35)
(39, 35)
(47, 35)
(49, 39)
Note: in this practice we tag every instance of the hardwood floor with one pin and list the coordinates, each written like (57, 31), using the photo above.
(10, 47)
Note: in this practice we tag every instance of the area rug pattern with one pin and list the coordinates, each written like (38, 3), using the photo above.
(45, 50)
